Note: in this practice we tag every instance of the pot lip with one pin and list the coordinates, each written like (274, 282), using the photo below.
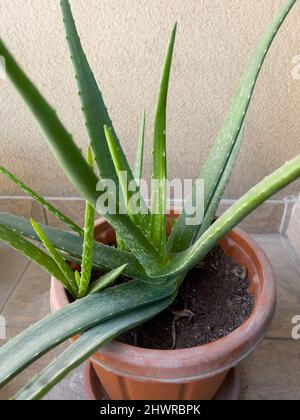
(214, 357)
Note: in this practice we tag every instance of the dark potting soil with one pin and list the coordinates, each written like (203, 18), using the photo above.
(214, 300)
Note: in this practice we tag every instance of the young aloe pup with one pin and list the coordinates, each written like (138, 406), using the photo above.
(155, 263)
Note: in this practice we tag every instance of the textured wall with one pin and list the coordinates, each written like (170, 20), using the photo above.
(125, 41)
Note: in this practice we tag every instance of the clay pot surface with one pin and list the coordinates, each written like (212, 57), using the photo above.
(133, 373)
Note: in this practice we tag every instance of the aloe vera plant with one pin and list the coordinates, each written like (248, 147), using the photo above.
(155, 263)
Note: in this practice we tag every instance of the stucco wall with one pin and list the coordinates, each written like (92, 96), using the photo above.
(125, 41)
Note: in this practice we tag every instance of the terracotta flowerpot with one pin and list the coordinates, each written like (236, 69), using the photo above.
(132, 373)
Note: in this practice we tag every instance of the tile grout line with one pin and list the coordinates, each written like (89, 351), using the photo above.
(284, 217)
(280, 339)
(49, 198)
(286, 245)
(15, 287)
(288, 202)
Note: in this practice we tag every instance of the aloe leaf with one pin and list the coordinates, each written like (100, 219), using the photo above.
(58, 139)
(93, 107)
(26, 248)
(106, 280)
(77, 278)
(75, 318)
(48, 206)
(192, 231)
(117, 160)
(72, 162)
(138, 217)
(280, 178)
(139, 159)
(212, 172)
(120, 243)
(87, 256)
(159, 164)
(104, 256)
(122, 176)
(135, 238)
(213, 207)
(61, 263)
(86, 346)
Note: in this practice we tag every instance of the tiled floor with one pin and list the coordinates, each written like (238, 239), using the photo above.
(271, 372)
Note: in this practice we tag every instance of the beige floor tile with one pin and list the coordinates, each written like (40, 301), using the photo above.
(288, 285)
(272, 372)
(23, 207)
(30, 300)
(28, 303)
(12, 266)
(287, 275)
(287, 307)
(292, 252)
(71, 388)
(72, 208)
(293, 228)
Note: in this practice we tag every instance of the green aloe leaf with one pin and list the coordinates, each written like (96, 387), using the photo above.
(58, 139)
(135, 238)
(159, 164)
(61, 263)
(191, 230)
(185, 260)
(75, 318)
(75, 166)
(88, 242)
(213, 207)
(33, 253)
(106, 280)
(139, 159)
(104, 256)
(125, 204)
(86, 346)
(48, 206)
(93, 107)
(212, 172)
(72, 162)
(77, 278)
(119, 167)
(123, 177)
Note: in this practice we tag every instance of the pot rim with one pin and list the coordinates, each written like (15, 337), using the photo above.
(190, 364)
